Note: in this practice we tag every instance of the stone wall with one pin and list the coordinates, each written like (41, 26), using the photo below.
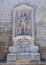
(5, 32)
(6, 20)
(30, 63)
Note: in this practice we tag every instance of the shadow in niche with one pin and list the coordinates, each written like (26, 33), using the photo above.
(23, 35)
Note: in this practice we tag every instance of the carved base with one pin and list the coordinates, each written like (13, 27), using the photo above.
(23, 56)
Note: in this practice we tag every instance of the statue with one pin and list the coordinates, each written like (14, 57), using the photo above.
(23, 35)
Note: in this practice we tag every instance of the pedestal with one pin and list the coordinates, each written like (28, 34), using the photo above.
(23, 56)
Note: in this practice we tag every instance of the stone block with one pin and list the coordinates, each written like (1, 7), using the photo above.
(23, 56)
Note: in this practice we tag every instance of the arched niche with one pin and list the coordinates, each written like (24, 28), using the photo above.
(23, 21)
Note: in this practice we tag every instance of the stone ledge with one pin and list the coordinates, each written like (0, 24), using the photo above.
(31, 63)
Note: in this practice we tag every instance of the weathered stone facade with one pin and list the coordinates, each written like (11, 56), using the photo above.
(6, 20)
